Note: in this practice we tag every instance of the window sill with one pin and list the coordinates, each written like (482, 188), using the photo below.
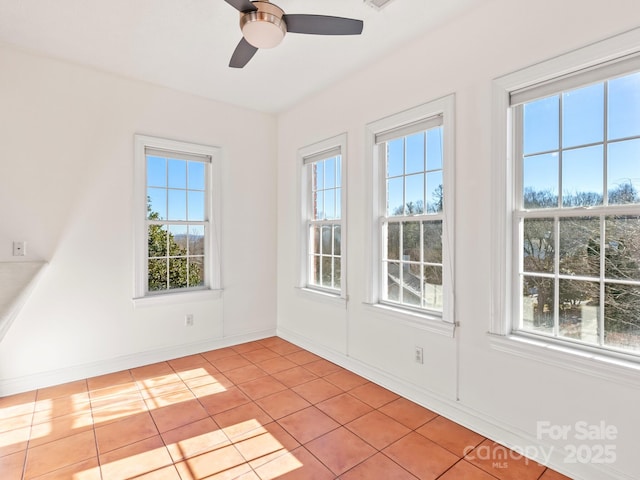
(176, 297)
(594, 364)
(414, 319)
(322, 296)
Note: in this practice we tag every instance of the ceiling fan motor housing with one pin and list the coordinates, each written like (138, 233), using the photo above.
(264, 27)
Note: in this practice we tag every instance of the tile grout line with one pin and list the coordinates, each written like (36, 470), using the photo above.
(95, 434)
(322, 372)
(26, 451)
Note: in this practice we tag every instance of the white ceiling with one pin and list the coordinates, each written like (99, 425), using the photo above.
(186, 44)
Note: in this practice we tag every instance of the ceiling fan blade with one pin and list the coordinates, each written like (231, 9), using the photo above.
(242, 5)
(242, 54)
(322, 25)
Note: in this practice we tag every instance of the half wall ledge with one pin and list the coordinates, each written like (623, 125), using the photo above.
(17, 281)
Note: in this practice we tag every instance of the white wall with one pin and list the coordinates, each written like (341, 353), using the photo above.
(66, 167)
(497, 393)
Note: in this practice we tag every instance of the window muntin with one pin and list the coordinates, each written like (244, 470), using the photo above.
(322, 233)
(577, 215)
(412, 221)
(177, 195)
(324, 226)
(177, 221)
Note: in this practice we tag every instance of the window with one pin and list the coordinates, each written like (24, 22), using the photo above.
(577, 216)
(572, 201)
(413, 199)
(322, 174)
(176, 238)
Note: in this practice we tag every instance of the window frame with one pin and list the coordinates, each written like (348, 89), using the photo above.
(212, 260)
(306, 156)
(594, 360)
(425, 319)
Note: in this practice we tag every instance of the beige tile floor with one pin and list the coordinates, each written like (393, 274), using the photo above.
(261, 410)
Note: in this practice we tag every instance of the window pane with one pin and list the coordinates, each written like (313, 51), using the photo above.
(196, 206)
(434, 149)
(395, 157)
(393, 282)
(622, 247)
(432, 241)
(318, 175)
(415, 153)
(432, 295)
(582, 171)
(156, 204)
(196, 239)
(411, 295)
(318, 206)
(329, 172)
(579, 310)
(411, 241)
(393, 241)
(540, 181)
(624, 106)
(337, 240)
(411, 285)
(156, 171)
(338, 213)
(196, 176)
(622, 316)
(315, 240)
(329, 204)
(337, 279)
(178, 240)
(178, 273)
(177, 173)
(327, 272)
(326, 240)
(339, 171)
(434, 192)
(414, 194)
(395, 188)
(196, 271)
(538, 245)
(537, 304)
(177, 205)
(541, 121)
(157, 241)
(315, 276)
(157, 274)
(583, 116)
(623, 172)
(580, 246)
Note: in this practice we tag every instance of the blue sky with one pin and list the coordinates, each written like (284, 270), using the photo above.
(412, 165)
(583, 113)
(176, 188)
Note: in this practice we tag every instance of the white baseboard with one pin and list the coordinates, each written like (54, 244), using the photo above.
(69, 374)
(486, 425)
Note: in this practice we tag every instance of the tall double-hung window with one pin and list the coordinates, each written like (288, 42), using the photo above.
(413, 157)
(323, 206)
(176, 238)
(575, 218)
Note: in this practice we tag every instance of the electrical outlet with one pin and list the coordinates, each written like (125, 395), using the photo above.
(19, 249)
(188, 320)
(419, 355)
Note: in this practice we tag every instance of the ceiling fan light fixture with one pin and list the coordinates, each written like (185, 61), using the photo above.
(265, 27)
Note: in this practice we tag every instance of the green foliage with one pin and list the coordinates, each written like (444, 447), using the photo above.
(168, 260)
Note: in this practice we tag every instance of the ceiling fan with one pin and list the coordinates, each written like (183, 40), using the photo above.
(264, 25)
